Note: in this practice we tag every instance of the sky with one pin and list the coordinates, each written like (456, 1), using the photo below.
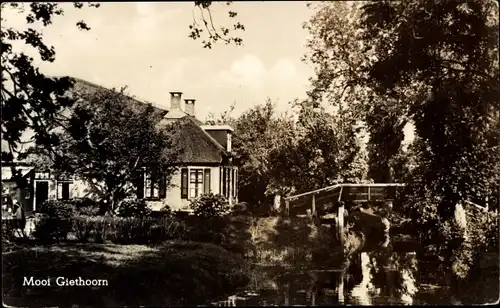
(146, 47)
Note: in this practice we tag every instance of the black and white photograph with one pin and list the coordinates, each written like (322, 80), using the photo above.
(250, 153)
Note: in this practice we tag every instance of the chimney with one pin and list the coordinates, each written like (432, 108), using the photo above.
(189, 106)
(175, 100)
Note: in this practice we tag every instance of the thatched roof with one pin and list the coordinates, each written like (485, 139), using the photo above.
(83, 87)
(198, 147)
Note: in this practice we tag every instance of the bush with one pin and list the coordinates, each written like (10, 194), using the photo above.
(127, 230)
(133, 208)
(85, 206)
(57, 209)
(166, 210)
(82, 228)
(210, 205)
(55, 221)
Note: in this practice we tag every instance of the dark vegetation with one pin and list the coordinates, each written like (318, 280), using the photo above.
(173, 273)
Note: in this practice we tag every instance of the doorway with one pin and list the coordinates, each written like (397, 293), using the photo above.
(42, 193)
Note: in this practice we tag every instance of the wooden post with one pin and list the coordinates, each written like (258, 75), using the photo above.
(287, 207)
(340, 229)
(313, 207)
(313, 296)
(340, 287)
(287, 294)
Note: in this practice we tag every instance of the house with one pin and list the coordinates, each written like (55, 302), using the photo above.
(205, 165)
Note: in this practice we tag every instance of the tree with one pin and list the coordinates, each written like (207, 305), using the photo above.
(432, 63)
(225, 118)
(385, 125)
(109, 139)
(340, 58)
(320, 151)
(31, 101)
(257, 132)
(448, 49)
(207, 31)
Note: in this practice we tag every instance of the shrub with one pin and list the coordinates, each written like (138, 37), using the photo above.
(127, 230)
(57, 209)
(133, 208)
(55, 221)
(210, 205)
(241, 208)
(81, 229)
(166, 210)
(85, 206)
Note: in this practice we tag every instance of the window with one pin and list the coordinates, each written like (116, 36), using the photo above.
(233, 182)
(63, 190)
(156, 185)
(224, 181)
(228, 182)
(236, 183)
(194, 182)
(220, 180)
(42, 176)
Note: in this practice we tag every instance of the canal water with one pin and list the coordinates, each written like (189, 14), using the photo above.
(370, 278)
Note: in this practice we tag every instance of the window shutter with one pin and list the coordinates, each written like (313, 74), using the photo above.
(163, 186)
(140, 184)
(206, 182)
(228, 181)
(184, 183)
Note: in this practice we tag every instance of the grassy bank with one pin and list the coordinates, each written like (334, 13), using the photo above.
(284, 241)
(174, 273)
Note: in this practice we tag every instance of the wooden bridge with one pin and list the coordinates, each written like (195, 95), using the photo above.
(333, 199)
(324, 198)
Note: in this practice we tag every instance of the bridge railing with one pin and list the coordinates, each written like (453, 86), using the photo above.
(344, 192)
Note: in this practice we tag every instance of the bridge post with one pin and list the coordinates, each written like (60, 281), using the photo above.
(340, 227)
(313, 205)
(340, 287)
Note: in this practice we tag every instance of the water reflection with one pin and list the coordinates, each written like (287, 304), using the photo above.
(372, 278)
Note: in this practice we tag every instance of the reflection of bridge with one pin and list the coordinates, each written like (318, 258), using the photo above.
(334, 199)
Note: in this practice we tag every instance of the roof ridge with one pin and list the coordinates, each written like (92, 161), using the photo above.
(128, 96)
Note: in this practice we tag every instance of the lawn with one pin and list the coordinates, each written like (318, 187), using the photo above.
(174, 273)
